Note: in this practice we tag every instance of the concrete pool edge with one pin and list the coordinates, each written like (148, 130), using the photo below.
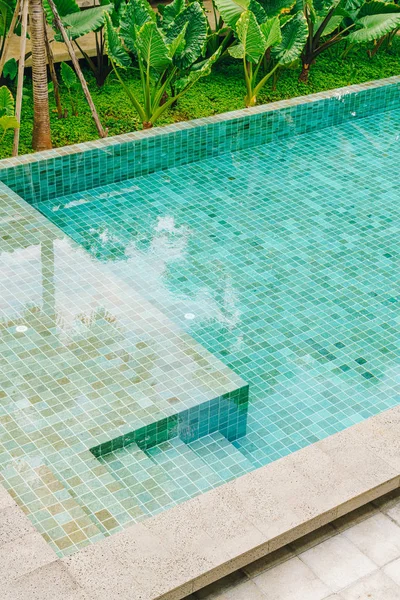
(195, 543)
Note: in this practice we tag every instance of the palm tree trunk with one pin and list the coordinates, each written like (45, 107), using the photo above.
(41, 139)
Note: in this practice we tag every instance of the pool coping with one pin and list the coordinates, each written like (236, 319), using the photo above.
(103, 143)
(179, 551)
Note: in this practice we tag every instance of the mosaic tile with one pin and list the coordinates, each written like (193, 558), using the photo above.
(281, 260)
(89, 366)
(61, 171)
(230, 296)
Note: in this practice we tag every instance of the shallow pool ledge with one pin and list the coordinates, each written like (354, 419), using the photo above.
(195, 543)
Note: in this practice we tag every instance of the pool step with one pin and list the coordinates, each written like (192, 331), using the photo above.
(221, 456)
(184, 466)
(174, 471)
(55, 513)
(143, 478)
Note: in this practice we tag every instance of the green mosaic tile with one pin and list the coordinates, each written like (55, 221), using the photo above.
(230, 296)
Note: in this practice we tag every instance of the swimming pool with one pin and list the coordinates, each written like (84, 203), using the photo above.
(280, 260)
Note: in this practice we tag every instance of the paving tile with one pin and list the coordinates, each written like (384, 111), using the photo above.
(23, 555)
(13, 524)
(355, 516)
(313, 539)
(393, 571)
(5, 499)
(394, 513)
(377, 537)
(218, 589)
(388, 501)
(373, 587)
(101, 574)
(50, 582)
(141, 554)
(337, 562)
(218, 515)
(268, 562)
(244, 591)
(291, 580)
(365, 464)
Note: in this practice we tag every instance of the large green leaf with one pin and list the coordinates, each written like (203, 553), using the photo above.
(237, 50)
(6, 101)
(7, 8)
(230, 10)
(250, 35)
(10, 68)
(272, 31)
(178, 44)
(331, 25)
(294, 37)
(374, 27)
(133, 16)
(151, 46)
(85, 21)
(377, 7)
(186, 82)
(275, 7)
(64, 7)
(258, 11)
(8, 122)
(170, 11)
(115, 50)
(195, 21)
(68, 76)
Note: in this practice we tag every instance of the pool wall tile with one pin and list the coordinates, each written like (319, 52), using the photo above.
(58, 172)
(226, 414)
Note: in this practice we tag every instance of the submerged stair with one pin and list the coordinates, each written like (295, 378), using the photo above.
(174, 471)
(221, 456)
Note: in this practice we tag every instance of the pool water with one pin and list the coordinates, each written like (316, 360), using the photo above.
(282, 260)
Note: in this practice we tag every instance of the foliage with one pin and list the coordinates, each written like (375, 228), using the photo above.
(7, 8)
(71, 82)
(10, 69)
(166, 51)
(79, 22)
(7, 118)
(354, 21)
(260, 36)
(222, 91)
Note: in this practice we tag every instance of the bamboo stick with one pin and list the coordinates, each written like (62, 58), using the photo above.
(53, 75)
(78, 71)
(21, 69)
(8, 37)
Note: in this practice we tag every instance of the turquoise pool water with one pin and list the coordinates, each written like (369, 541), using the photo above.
(282, 260)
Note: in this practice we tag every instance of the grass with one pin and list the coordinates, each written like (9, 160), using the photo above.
(222, 91)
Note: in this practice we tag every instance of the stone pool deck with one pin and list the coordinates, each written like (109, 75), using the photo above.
(356, 557)
(180, 551)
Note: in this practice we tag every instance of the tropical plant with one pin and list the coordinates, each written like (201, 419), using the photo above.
(41, 137)
(72, 84)
(260, 36)
(355, 21)
(7, 9)
(166, 50)
(7, 118)
(78, 23)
